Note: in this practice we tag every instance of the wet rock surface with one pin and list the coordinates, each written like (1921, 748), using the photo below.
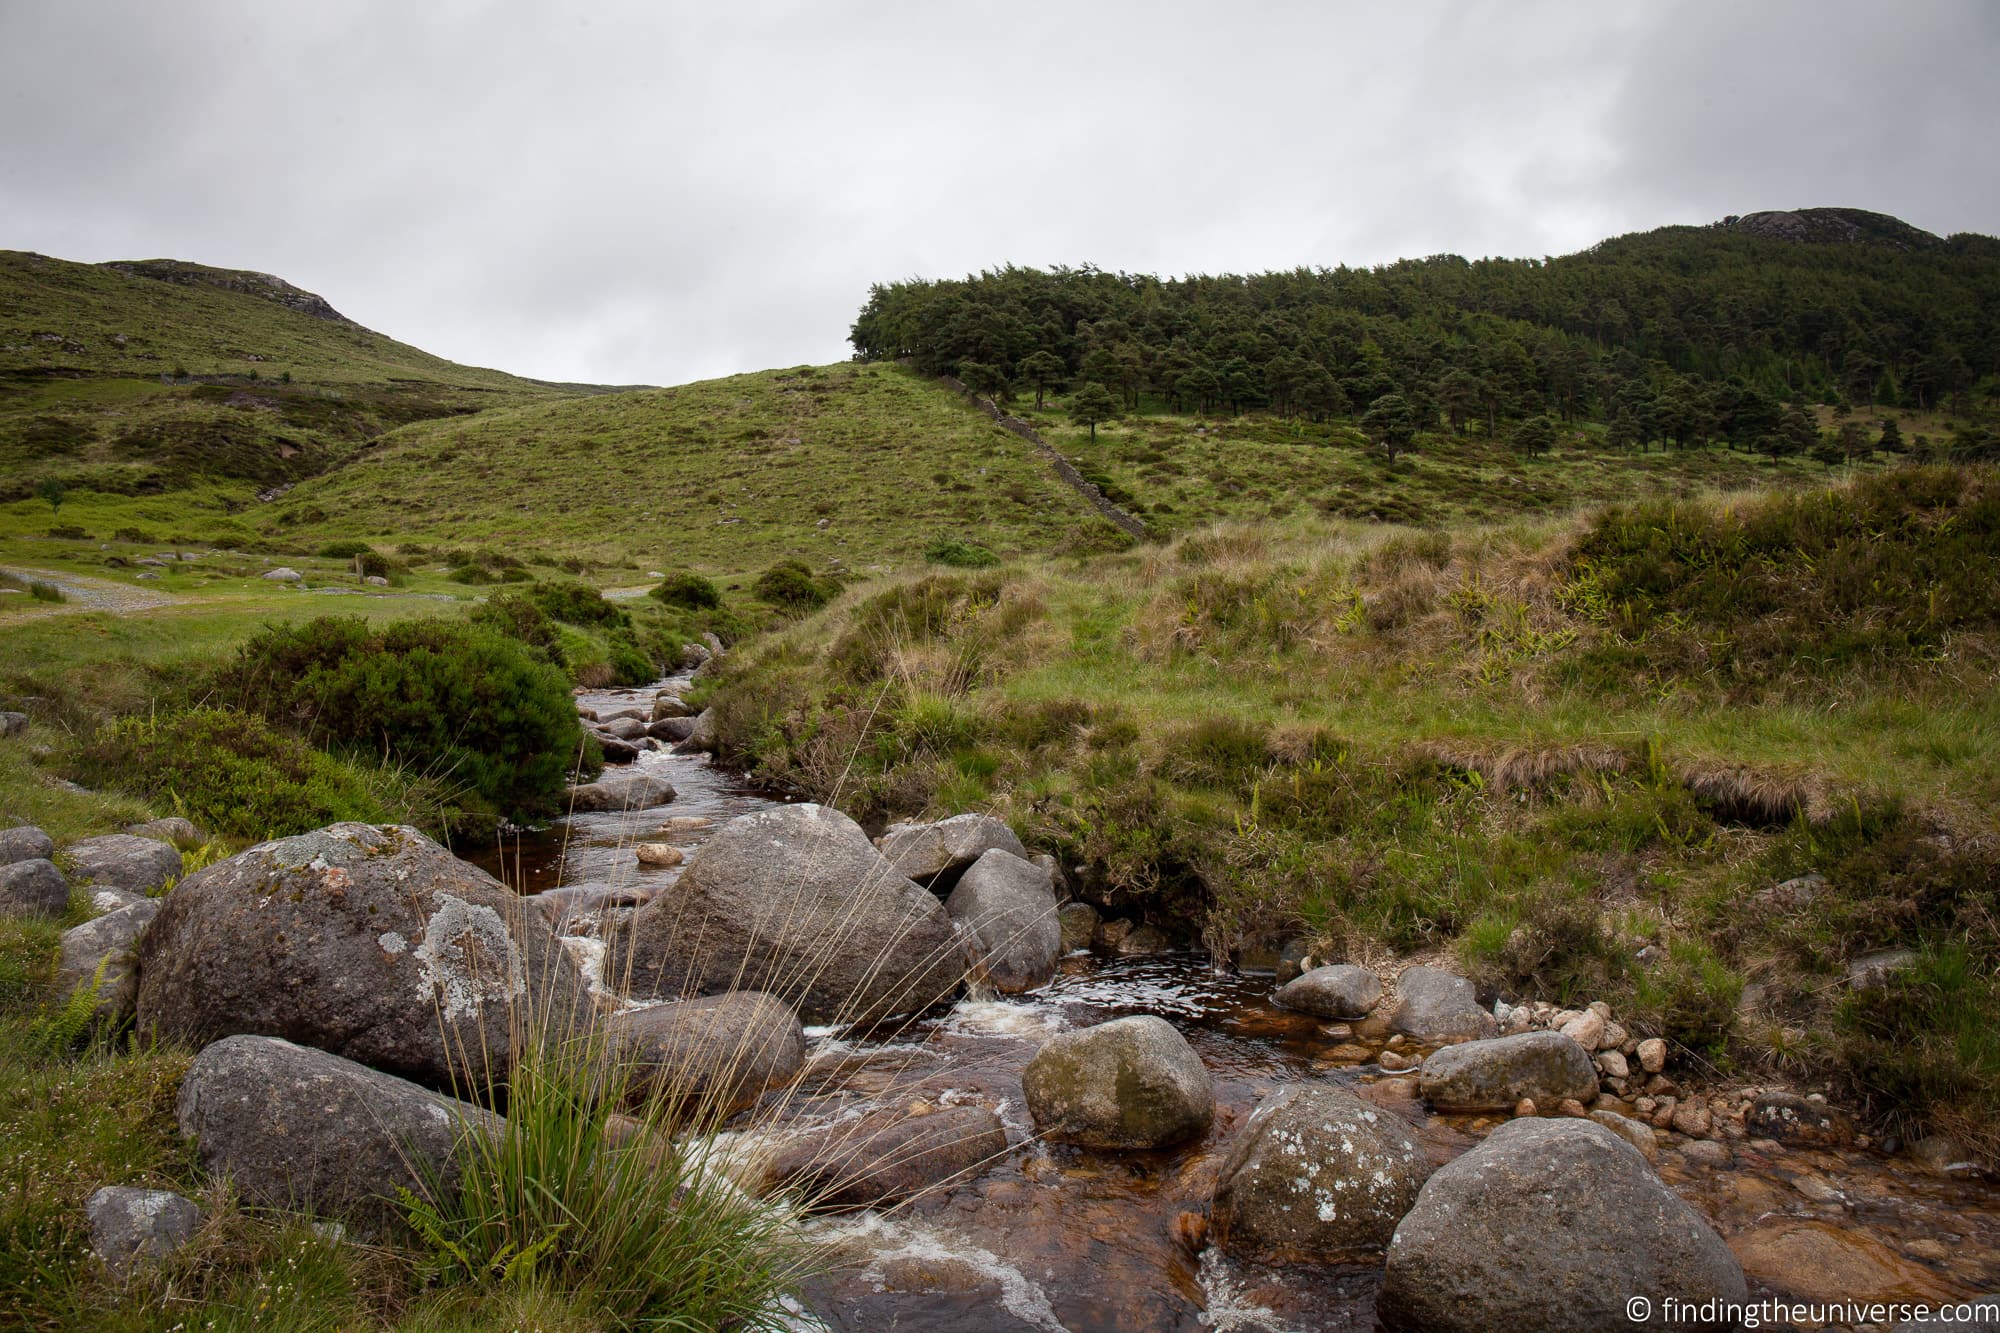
(1006, 908)
(1338, 991)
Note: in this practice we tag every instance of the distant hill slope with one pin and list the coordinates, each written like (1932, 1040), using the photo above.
(138, 377)
(844, 465)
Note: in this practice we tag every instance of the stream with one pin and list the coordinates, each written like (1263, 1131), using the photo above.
(1061, 1238)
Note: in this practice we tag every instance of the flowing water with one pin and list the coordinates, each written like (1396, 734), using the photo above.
(1060, 1238)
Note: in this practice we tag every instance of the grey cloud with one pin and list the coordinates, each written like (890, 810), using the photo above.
(664, 192)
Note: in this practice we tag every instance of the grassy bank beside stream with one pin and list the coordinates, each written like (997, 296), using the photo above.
(1574, 753)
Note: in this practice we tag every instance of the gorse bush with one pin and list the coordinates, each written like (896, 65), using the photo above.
(455, 702)
(521, 619)
(235, 776)
(576, 603)
(689, 591)
(792, 586)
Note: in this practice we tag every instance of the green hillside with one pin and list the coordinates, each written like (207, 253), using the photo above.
(843, 465)
(139, 378)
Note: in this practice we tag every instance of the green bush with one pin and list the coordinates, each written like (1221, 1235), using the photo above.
(520, 619)
(576, 603)
(232, 774)
(791, 585)
(961, 554)
(456, 702)
(345, 550)
(689, 591)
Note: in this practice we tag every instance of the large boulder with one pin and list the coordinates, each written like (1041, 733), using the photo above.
(709, 1058)
(1553, 1225)
(1317, 1176)
(297, 1128)
(888, 1156)
(1436, 1006)
(624, 728)
(794, 901)
(702, 737)
(935, 855)
(121, 861)
(369, 941)
(1493, 1075)
(617, 792)
(33, 888)
(1007, 909)
(671, 729)
(26, 843)
(1340, 991)
(104, 951)
(132, 1227)
(1130, 1083)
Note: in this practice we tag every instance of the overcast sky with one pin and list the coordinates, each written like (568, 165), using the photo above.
(663, 192)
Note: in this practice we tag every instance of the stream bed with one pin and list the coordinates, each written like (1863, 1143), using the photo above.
(1060, 1238)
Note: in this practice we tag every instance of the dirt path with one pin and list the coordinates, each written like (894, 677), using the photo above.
(81, 594)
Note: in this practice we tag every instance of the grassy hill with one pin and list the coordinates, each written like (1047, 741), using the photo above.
(140, 378)
(846, 466)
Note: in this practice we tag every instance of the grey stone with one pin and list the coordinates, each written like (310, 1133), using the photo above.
(1790, 1118)
(33, 888)
(1006, 908)
(26, 843)
(1142, 939)
(1079, 923)
(1316, 1176)
(935, 855)
(1483, 1247)
(671, 729)
(103, 950)
(121, 861)
(707, 1058)
(794, 901)
(1792, 894)
(282, 574)
(666, 706)
(103, 902)
(624, 728)
(617, 792)
(1339, 991)
(130, 1228)
(13, 724)
(701, 738)
(889, 1156)
(369, 941)
(298, 1128)
(180, 832)
(1130, 1083)
(1639, 1136)
(1876, 969)
(1291, 961)
(614, 750)
(1435, 1005)
(1546, 1068)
